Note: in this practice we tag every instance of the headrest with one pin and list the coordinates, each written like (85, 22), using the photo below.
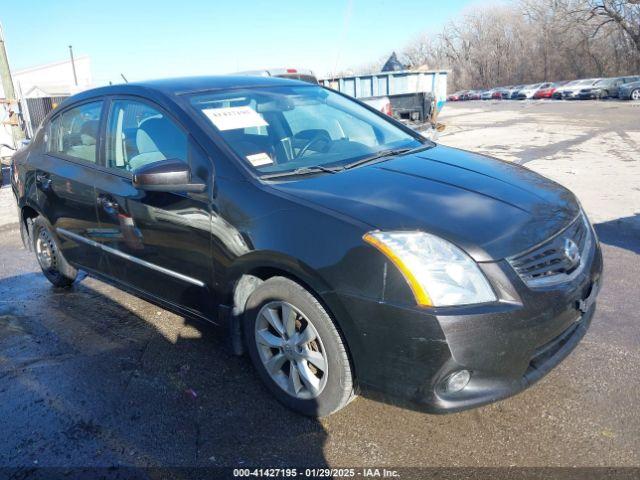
(160, 135)
(89, 132)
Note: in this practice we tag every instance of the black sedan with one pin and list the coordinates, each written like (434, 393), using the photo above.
(629, 91)
(605, 88)
(346, 253)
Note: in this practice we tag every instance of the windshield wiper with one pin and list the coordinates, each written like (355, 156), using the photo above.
(302, 171)
(387, 153)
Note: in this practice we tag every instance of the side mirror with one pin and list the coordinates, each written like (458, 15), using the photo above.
(166, 176)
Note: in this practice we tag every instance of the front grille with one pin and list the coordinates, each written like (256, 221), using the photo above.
(557, 260)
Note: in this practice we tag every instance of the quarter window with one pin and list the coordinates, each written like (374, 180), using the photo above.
(75, 132)
(138, 134)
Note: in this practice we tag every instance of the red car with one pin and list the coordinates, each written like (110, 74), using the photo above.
(546, 92)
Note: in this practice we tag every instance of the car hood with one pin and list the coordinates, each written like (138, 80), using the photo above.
(490, 208)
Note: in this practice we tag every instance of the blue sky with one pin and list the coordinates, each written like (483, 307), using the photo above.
(151, 39)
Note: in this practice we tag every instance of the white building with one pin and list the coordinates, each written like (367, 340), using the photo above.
(50, 80)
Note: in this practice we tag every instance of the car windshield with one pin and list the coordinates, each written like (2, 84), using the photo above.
(299, 128)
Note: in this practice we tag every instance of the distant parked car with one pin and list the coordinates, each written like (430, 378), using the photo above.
(530, 90)
(303, 74)
(486, 94)
(626, 80)
(472, 95)
(572, 89)
(547, 92)
(513, 92)
(500, 93)
(557, 95)
(629, 91)
(455, 97)
(605, 88)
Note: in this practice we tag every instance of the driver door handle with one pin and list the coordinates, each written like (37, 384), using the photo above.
(108, 204)
(43, 180)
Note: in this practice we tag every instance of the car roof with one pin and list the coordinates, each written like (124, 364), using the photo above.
(184, 85)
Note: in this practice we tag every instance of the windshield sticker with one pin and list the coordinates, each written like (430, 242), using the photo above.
(260, 159)
(232, 118)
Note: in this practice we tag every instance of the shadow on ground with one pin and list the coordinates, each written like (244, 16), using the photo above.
(621, 232)
(86, 381)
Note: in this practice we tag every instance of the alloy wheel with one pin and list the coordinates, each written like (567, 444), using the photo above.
(291, 350)
(635, 95)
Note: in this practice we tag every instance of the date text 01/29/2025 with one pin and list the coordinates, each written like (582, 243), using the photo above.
(315, 472)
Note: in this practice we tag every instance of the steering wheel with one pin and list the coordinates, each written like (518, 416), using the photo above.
(319, 136)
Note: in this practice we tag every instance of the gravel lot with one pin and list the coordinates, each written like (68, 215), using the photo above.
(97, 377)
(591, 147)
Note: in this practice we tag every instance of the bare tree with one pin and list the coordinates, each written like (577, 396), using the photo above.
(531, 41)
(623, 13)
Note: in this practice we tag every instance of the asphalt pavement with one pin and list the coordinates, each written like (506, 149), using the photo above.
(95, 377)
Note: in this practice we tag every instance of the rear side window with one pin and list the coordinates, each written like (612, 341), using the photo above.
(139, 134)
(75, 132)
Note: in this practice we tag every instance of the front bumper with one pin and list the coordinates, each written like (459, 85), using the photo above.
(402, 355)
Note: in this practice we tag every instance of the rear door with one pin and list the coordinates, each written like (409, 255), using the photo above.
(157, 242)
(64, 179)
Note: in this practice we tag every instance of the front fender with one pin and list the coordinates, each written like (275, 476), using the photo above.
(257, 261)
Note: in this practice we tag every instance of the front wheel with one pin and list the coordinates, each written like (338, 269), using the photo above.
(635, 95)
(297, 349)
(53, 264)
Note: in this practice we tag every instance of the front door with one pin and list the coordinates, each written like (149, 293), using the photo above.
(64, 179)
(157, 242)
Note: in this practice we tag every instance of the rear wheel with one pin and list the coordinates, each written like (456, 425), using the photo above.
(52, 262)
(297, 349)
(635, 95)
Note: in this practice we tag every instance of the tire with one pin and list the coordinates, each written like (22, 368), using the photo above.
(325, 384)
(635, 94)
(53, 264)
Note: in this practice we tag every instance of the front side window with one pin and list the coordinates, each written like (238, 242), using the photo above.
(75, 132)
(283, 128)
(139, 134)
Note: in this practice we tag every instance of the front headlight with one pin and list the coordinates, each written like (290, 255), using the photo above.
(438, 272)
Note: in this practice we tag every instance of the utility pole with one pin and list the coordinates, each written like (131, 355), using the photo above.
(9, 92)
(73, 66)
